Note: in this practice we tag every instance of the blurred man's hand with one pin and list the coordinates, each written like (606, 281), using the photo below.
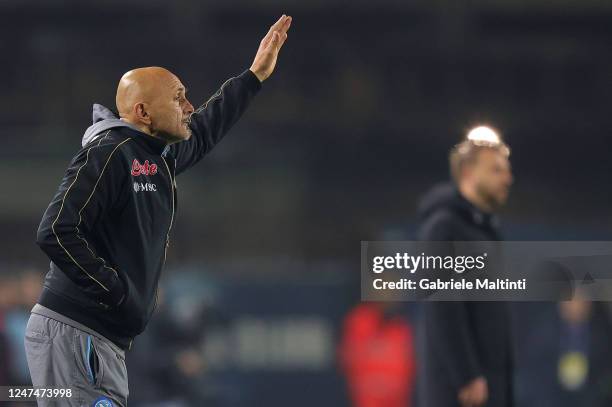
(265, 59)
(475, 393)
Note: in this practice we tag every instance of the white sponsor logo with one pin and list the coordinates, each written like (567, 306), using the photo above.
(148, 187)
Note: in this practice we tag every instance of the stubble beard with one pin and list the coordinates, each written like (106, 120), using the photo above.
(175, 137)
(493, 201)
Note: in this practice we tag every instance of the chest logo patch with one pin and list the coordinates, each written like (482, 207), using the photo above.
(147, 168)
(142, 187)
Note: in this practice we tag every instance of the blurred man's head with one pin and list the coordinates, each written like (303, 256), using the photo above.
(575, 311)
(153, 99)
(481, 170)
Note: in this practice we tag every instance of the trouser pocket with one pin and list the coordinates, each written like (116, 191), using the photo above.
(38, 350)
(88, 359)
(102, 370)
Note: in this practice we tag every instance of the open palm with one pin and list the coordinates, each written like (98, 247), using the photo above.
(269, 47)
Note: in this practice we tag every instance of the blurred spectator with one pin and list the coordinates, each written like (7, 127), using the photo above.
(26, 288)
(7, 301)
(169, 359)
(377, 356)
(567, 359)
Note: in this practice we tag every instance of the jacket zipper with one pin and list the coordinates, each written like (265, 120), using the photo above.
(172, 187)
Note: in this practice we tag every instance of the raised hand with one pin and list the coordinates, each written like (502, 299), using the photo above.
(269, 47)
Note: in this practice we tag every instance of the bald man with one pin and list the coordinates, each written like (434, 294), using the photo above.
(108, 227)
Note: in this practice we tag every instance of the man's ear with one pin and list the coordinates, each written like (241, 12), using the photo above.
(467, 170)
(142, 114)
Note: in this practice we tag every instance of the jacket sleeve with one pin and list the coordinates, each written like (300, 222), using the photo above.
(86, 194)
(211, 121)
(448, 323)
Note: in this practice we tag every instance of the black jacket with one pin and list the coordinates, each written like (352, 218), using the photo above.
(462, 340)
(107, 229)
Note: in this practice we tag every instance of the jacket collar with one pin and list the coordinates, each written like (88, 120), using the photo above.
(105, 119)
(475, 214)
(157, 145)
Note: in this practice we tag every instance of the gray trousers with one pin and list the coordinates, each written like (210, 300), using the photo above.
(65, 354)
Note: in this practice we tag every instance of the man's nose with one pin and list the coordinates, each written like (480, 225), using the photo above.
(188, 108)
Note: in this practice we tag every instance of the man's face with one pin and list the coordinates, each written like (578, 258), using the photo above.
(492, 176)
(170, 111)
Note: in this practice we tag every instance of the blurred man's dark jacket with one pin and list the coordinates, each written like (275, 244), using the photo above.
(461, 340)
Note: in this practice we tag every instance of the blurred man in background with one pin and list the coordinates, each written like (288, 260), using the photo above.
(107, 229)
(565, 357)
(8, 302)
(466, 349)
(583, 356)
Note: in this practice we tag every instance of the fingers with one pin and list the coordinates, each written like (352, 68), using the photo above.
(278, 39)
(278, 24)
(283, 39)
(284, 29)
(275, 27)
(282, 25)
(286, 24)
(275, 42)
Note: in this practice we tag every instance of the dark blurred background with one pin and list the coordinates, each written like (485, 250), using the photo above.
(352, 128)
